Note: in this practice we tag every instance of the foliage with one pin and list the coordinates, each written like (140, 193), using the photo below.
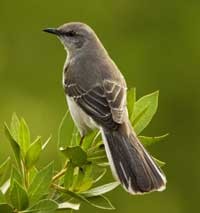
(29, 189)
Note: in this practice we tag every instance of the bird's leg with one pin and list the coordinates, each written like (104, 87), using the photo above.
(81, 140)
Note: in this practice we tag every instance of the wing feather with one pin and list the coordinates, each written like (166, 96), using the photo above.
(106, 103)
(116, 96)
(94, 103)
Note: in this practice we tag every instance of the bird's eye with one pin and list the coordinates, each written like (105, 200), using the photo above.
(71, 33)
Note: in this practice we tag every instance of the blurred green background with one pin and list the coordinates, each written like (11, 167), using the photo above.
(156, 44)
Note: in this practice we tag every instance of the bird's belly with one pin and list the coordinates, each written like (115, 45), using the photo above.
(83, 122)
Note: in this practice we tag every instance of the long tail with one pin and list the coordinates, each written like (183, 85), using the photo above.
(130, 162)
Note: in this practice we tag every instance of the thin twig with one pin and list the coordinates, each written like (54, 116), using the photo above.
(58, 188)
(59, 174)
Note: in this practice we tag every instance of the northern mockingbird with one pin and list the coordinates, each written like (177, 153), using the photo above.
(96, 94)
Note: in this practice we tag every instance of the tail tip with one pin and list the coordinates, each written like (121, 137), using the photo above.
(133, 191)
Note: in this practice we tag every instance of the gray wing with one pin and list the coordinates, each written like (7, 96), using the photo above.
(106, 103)
(116, 97)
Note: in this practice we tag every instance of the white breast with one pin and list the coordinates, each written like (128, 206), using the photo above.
(82, 121)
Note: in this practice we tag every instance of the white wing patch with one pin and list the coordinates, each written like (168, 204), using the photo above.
(116, 97)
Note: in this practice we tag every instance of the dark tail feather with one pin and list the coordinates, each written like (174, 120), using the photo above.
(131, 164)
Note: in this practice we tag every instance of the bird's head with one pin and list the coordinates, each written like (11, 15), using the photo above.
(74, 36)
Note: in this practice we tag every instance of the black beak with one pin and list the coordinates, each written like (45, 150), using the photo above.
(52, 31)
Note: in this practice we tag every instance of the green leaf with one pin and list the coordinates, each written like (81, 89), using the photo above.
(97, 155)
(14, 127)
(40, 184)
(99, 160)
(5, 208)
(85, 185)
(144, 110)
(15, 146)
(100, 202)
(76, 178)
(131, 99)
(100, 190)
(2, 198)
(88, 169)
(24, 136)
(87, 180)
(68, 178)
(65, 126)
(32, 174)
(75, 139)
(97, 173)
(147, 141)
(43, 206)
(104, 164)
(96, 146)
(3, 170)
(90, 139)
(46, 143)
(19, 197)
(4, 188)
(159, 162)
(82, 182)
(75, 154)
(33, 153)
(15, 176)
(68, 205)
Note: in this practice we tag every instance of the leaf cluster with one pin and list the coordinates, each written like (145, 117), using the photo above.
(24, 188)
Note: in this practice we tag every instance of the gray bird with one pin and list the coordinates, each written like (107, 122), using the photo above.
(96, 95)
